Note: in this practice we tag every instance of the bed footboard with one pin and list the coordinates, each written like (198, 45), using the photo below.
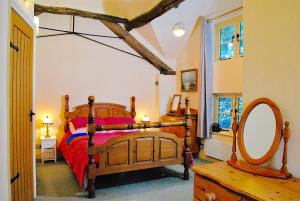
(137, 151)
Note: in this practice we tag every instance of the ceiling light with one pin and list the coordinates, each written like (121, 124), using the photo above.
(178, 29)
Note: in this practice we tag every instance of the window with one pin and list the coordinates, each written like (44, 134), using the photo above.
(230, 39)
(224, 105)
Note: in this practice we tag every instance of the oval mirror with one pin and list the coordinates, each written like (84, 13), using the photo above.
(259, 131)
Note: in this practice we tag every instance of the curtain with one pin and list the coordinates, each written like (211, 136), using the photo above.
(205, 116)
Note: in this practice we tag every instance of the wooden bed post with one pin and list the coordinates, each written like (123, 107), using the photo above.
(235, 127)
(66, 113)
(132, 107)
(187, 140)
(91, 150)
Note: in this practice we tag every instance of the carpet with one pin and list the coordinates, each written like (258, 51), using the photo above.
(55, 182)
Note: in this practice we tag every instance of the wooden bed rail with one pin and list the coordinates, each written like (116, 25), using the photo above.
(92, 128)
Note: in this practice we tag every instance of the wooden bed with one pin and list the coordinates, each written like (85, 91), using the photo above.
(147, 149)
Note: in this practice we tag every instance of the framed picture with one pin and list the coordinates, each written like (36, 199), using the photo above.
(175, 104)
(189, 80)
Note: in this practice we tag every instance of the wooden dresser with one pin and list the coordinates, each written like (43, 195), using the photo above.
(179, 131)
(221, 182)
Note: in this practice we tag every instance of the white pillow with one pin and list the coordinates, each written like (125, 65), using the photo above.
(79, 130)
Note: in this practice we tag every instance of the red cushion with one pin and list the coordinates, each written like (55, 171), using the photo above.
(81, 122)
(120, 120)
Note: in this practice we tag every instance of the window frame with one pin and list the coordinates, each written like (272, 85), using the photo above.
(234, 97)
(236, 44)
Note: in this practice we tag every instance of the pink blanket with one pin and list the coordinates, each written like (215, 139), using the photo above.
(75, 153)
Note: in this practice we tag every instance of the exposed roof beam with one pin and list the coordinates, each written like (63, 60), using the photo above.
(112, 23)
(139, 48)
(161, 8)
(39, 9)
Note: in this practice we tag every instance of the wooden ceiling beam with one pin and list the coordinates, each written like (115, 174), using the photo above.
(139, 48)
(161, 8)
(39, 9)
(112, 23)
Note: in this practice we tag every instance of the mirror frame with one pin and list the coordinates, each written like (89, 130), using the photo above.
(278, 132)
(178, 110)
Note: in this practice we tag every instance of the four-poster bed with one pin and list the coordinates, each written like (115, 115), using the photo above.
(103, 151)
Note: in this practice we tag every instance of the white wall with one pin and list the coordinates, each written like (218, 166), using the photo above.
(271, 64)
(190, 58)
(78, 67)
(4, 135)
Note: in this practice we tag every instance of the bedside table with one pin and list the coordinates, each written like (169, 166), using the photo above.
(48, 146)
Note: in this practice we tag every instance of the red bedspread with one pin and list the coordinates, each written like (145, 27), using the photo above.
(75, 153)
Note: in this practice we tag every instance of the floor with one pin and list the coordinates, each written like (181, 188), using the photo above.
(56, 182)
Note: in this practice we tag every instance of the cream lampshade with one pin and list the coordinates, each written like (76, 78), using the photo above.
(47, 122)
(145, 120)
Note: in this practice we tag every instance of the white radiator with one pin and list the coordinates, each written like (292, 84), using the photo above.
(217, 149)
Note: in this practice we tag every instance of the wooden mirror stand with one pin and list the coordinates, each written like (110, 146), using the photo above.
(253, 165)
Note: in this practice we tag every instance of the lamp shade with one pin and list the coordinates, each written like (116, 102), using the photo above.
(47, 121)
(145, 118)
(178, 29)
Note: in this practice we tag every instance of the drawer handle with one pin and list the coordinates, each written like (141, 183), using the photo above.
(210, 197)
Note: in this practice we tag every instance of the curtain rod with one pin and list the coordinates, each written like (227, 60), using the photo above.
(223, 14)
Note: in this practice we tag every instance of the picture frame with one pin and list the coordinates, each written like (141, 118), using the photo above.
(175, 104)
(189, 80)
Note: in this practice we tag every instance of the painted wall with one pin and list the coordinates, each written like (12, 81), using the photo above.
(271, 64)
(4, 120)
(227, 74)
(78, 67)
(190, 58)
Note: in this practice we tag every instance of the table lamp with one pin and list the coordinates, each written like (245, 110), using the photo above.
(145, 120)
(47, 122)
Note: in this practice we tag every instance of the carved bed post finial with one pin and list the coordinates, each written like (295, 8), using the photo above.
(132, 107)
(286, 137)
(234, 132)
(67, 113)
(66, 107)
(187, 140)
(91, 150)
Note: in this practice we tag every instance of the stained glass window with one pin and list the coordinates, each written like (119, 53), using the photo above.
(226, 42)
(241, 39)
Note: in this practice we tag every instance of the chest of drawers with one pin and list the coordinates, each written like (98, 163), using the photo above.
(221, 182)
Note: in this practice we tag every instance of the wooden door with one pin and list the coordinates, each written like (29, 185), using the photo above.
(21, 145)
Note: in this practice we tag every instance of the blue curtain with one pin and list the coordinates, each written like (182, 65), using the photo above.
(206, 85)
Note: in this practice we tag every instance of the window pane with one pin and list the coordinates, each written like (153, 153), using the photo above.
(224, 121)
(241, 39)
(226, 42)
(226, 51)
(225, 104)
(240, 102)
(227, 34)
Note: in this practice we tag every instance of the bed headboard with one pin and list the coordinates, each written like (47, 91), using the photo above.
(101, 110)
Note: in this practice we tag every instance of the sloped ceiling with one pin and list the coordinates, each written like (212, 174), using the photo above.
(158, 33)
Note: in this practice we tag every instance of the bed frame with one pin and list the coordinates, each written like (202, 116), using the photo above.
(130, 152)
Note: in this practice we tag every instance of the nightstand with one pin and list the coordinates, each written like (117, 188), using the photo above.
(48, 146)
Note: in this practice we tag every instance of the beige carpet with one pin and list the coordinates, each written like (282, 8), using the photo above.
(56, 182)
